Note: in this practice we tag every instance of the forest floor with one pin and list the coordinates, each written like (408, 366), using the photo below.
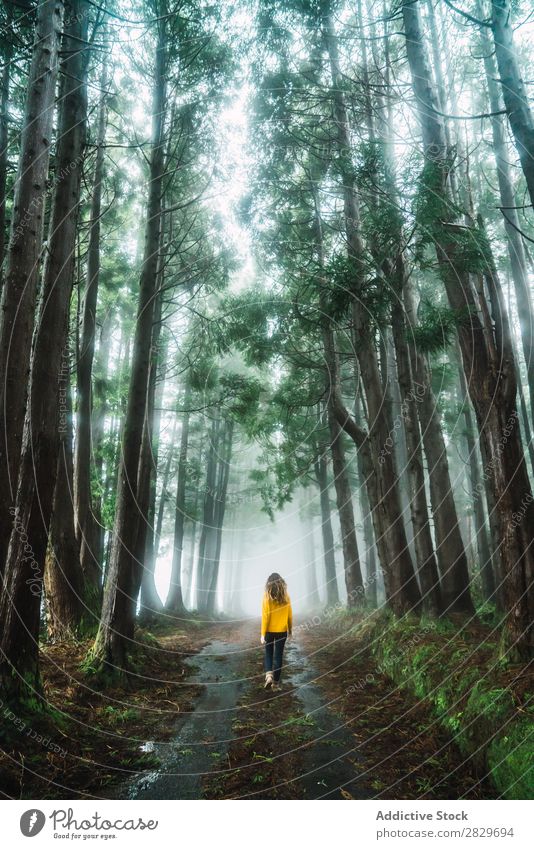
(197, 723)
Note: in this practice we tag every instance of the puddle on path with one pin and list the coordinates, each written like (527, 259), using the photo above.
(202, 737)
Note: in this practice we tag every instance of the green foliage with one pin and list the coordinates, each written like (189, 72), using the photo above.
(241, 396)
(432, 205)
(510, 760)
(436, 328)
(347, 279)
(459, 680)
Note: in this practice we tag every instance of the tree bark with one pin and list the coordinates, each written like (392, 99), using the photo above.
(450, 548)
(349, 541)
(488, 361)
(220, 510)
(401, 584)
(351, 554)
(516, 252)
(20, 609)
(116, 625)
(206, 547)
(477, 489)
(19, 291)
(63, 579)
(174, 599)
(371, 576)
(86, 524)
(4, 137)
(514, 92)
(424, 546)
(148, 456)
(312, 596)
(321, 476)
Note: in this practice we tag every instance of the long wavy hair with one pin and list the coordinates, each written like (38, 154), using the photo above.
(276, 588)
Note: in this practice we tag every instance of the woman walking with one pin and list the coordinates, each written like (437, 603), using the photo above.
(276, 626)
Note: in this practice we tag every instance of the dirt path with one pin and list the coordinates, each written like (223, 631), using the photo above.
(196, 723)
(319, 737)
(202, 747)
(201, 735)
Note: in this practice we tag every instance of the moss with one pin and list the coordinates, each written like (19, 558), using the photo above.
(462, 678)
(510, 761)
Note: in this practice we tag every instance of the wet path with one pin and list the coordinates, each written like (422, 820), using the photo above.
(202, 739)
(329, 763)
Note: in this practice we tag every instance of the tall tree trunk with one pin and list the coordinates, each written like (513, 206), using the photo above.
(424, 546)
(349, 541)
(116, 624)
(514, 92)
(371, 576)
(87, 528)
(100, 412)
(19, 291)
(4, 137)
(20, 609)
(345, 508)
(450, 548)
(174, 599)
(206, 547)
(516, 252)
(312, 594)
(401, 583)
(148, 457)
(488, 359)
(220, 509)
(190, 570)
(321, 476)
(477, 489)
(150, 600)
(63, 578)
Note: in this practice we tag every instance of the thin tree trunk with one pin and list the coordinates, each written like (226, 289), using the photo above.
(401, 584)
(192, 560)
(518, 262)
(17, 306)
(87, 529)
(371, 577)
(488, 361)
(477, 488)
(147, 458)
(63, 578)
(312, 597)
(206, 543)
(220, 510)
(94, 568)
(514, 92)
(349, 541)
(424, 546)
(321, 476)
(4, 136)
(20, 609)
(450, 548)
(150, 600)
(174, 599)
(116, 624)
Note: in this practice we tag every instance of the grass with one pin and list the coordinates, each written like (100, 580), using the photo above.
(486, 706)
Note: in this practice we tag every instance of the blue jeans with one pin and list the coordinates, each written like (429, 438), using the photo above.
(274, 652)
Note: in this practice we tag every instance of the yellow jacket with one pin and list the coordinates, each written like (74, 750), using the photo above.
(275, 616)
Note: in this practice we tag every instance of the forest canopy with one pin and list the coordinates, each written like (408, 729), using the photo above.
(266, 301)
